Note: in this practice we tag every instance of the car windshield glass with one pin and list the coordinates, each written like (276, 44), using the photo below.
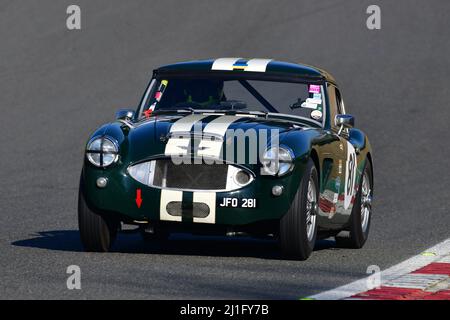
(216, 94)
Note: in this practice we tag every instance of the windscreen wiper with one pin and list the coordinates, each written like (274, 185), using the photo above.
(234, 112)
(146, 116)
(256, 113)
(180, 110)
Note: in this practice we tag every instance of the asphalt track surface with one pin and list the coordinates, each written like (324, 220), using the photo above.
(56, 86)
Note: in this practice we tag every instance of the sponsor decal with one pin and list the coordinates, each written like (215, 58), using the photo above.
(224, 64)
(148, 112)
(157, 97)
(309, 105)
(335, 198)
(327, 204)
(314, 101)
(316, 115)
(317, 96)
(239, 64)
(350, 175)
(314, 88)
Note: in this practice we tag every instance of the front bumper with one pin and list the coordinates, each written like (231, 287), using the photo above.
(119, 196)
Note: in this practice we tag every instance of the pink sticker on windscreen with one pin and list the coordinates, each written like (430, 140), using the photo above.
(158, 95)
(314, 88)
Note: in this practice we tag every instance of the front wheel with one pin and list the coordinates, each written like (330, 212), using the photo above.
(96, 231)
(298, 227)
(359, 224)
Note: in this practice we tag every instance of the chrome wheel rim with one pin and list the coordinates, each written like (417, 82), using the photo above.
(311, 207)
(366, 201)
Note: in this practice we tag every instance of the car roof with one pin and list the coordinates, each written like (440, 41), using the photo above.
(262, 67)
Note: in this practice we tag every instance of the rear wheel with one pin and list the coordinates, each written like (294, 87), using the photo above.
(359, 225)
(97, 232)
(298, 227)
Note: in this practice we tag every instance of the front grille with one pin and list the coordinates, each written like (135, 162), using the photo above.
(190, 176)
(196, 210)
(164, 174)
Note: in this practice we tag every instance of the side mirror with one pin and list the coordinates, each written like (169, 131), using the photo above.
(345, 120)
(124, 114)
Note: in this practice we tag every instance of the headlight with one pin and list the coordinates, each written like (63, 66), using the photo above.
(277, 161)
(102, 151)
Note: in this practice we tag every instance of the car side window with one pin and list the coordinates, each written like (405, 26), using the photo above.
(340, 108)
(336, 104)
(339, 102)
(333, 104)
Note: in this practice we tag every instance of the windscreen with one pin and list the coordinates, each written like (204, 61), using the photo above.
(298, 99)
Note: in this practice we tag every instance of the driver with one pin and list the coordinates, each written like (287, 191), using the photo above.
(204, 92)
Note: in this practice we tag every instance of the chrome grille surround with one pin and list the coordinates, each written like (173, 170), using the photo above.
(164, 174)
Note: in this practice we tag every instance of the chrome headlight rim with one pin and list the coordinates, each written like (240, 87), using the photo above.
(285, 162)
(92, 151)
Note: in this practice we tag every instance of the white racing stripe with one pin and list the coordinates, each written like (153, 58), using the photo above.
(212, 148)
(224, 63)
(437, 253)
(185, 124)
(252, 65)
(166, 197)
(219, 126)
(257, 65)
(176, 146)
(179, 146)
(209, 148)
(208, 198)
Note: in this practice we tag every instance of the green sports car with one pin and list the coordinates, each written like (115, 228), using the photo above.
(232, 147)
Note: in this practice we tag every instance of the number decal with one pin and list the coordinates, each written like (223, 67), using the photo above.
(350, 175)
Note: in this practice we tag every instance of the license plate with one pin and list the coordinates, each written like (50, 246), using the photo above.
(249, 203)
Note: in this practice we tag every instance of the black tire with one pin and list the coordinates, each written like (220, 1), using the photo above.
(293, 225)
(97, 232)
(354, 236)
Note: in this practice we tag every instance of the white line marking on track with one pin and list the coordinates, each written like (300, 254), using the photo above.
(441, 250)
